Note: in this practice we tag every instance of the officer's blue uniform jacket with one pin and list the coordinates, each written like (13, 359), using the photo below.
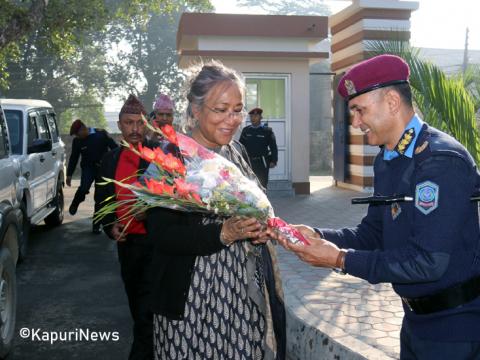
(91, 149)
(260, 142)
(425, 245)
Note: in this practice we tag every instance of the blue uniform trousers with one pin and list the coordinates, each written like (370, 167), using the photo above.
(88, 176)
(413, 348)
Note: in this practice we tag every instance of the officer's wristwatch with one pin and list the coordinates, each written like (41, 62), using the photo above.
(340, 263)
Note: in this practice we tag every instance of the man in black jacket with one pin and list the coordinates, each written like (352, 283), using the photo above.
(259, 140)
(134, 250)
(91, 144)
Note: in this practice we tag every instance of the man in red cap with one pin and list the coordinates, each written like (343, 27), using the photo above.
(134, 250)
(421, 232)
(90, 144)
(261, 146)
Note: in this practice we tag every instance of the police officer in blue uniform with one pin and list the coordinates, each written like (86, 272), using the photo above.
(89, 144)
(421, 231)
(259, 140)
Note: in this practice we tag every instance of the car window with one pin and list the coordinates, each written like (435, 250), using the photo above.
(15, 128)
(32, 129)
(42, 127)
(52, 124)
(3, 138)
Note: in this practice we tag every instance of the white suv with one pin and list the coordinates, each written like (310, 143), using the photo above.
(36, 145)
(11, 220)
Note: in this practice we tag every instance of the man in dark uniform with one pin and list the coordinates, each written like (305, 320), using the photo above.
(91, 144)
(261, 146)
(421, 231)
(134, 250)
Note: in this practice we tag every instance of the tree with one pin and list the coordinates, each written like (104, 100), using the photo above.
(444, 102)
(92, 115)
(17, 20)
(288, 7)
(149, 64)
(66, 55)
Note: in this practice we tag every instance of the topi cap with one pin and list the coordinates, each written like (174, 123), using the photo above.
(76, 126)
(374, 73)
(163, 103)
(256, 110)
(133, 106)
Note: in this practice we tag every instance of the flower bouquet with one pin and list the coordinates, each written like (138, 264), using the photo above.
(197, 180)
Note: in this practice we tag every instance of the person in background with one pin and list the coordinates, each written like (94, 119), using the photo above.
(163, 109)
(134, 248)
(90, 144)
(261, 146)
(421, 232)
(217, 291)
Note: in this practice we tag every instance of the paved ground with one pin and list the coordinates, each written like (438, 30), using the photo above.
(70, 281)
(334, 316)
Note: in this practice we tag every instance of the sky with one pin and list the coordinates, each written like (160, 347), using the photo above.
(436, 24)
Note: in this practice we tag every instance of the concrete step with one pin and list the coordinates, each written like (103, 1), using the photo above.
(280, 188)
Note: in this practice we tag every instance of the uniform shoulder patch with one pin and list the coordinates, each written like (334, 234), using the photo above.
(426, 197)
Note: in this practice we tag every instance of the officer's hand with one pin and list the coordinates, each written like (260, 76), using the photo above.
(118, 232)
(307, 231)
(272, 164)
(320, 252)
(68, 181)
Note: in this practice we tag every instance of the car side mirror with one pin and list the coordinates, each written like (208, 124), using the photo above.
(39, 146)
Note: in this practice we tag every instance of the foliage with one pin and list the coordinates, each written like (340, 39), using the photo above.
(149, 64)
(443, 102)
(471, 81)
(91, 114)
(288, 7)
(67, 53)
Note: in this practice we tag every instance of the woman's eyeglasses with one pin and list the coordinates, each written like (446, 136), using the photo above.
(222, 114)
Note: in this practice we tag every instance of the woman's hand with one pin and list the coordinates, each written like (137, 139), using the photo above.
(236, 228)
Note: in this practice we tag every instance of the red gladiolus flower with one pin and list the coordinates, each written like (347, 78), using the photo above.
(159, 156)
(173, 164)
(168, 189)
(169, 133)
(154, 186)
(196, 198)
(146, 153)
(184, 188)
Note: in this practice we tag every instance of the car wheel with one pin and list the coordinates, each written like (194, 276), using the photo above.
(56, 217)
(8, 299)
(23, 248)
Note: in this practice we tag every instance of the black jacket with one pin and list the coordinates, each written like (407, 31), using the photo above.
(106, 193)
(92, 149)
(260, 142)
(178, 238)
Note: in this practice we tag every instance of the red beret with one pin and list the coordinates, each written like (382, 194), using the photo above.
(133, 106)
(256, 110)
(76, 125)
(374, 73)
